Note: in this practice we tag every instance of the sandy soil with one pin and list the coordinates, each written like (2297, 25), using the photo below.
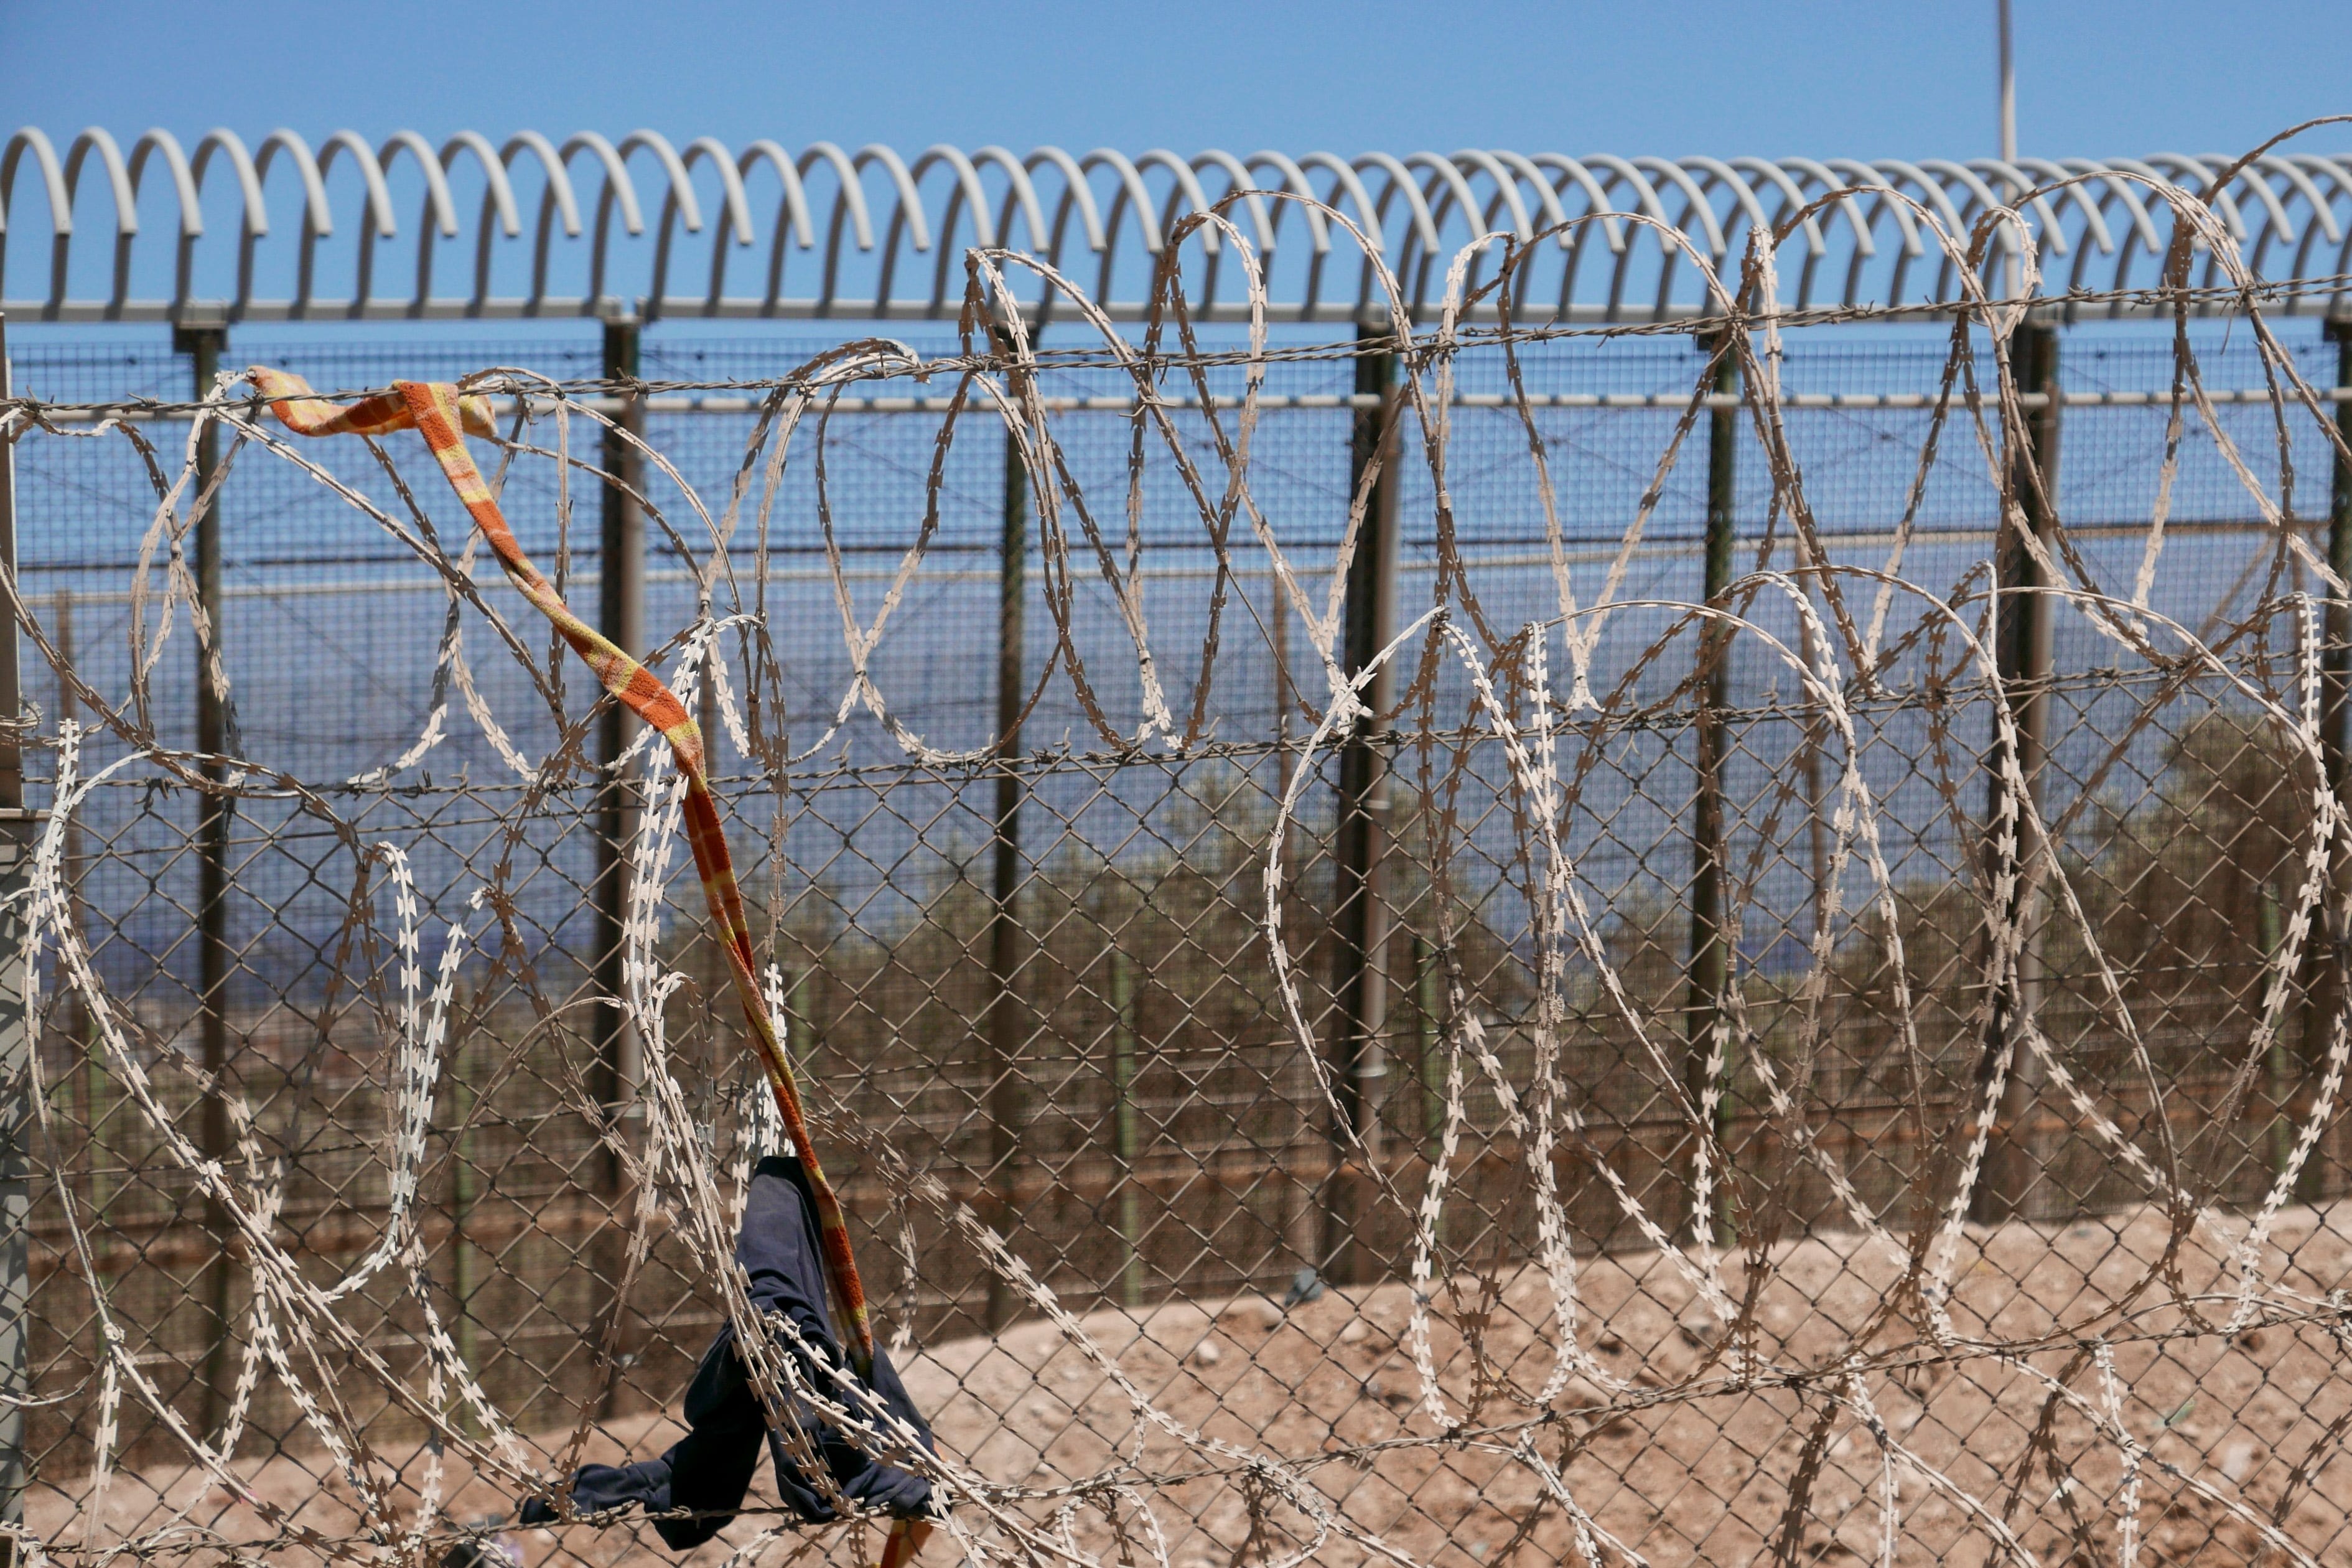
(1676, 1467)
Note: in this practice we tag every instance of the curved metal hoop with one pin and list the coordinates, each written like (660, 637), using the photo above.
(1602, 233)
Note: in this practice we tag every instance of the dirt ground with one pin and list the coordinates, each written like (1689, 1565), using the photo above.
(1679, 1469)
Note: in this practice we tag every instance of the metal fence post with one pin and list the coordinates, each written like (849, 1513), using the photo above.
(1360, 923)
(711, 961)
(1707, 1062)
(1006, 1107)
(15, 1040)
(1126, 1147)
(2326, 992)
(2023, 653)
(465, 1257)
(620, 615)
(801, 1018)
(75, 1028)
(203, 343)
(2335, 727)
(1429, 1059)
(1302, 1145)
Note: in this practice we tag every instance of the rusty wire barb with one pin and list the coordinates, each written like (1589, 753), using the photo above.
(1506, 977)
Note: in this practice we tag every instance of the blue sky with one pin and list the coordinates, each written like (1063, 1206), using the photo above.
(1910, 79)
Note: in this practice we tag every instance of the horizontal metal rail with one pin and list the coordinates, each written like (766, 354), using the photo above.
(87, 413)
(1186, 565)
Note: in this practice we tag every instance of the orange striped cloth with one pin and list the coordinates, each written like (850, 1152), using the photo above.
(437, 411)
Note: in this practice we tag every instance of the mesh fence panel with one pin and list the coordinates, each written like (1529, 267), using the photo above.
(1133, 1064)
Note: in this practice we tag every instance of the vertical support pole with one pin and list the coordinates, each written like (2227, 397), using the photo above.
(1359, 913)
(77, 1031)
(203, 344)
(1005, 1090)
(801, 1017)
(15, 1040)
(1429, 1058)
(717, 1001)
(2335, 724)
(1707, 1061)
(1302, 1143)
(1421, 983)
(465, 1259)
(1126, 1147)
(2278, 1062)
(1285, 697)
(1815, 739)
(620, 615)
(96, 1092)
(2023, 653)
(2327, 992)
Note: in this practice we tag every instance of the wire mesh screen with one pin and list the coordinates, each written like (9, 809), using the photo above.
(1766, 982)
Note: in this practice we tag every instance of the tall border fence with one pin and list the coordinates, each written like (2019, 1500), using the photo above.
(1680, 897)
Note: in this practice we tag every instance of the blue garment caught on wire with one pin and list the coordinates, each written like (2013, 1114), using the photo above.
(706, 1472)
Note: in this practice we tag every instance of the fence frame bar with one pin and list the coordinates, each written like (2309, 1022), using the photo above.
(621, 616)
(15, 1042)
(205, 344)
(1004, 1096)
(2327, 962)
(1707, 1020)
(2336, 653)
(2023, 652)
(1360, 923)
(1125, 1146)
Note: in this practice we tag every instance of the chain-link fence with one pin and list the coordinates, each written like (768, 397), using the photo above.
(1638, 1096)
